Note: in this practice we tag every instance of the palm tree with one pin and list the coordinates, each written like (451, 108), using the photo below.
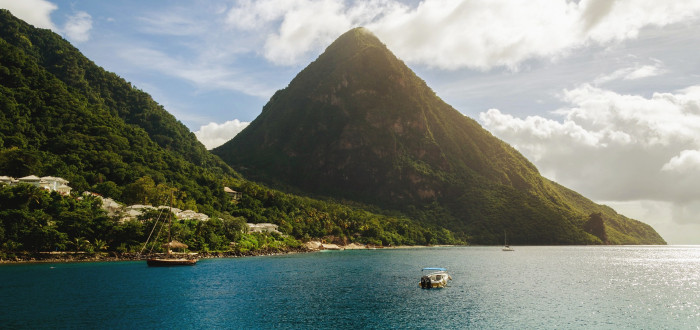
(80, 243)
(100, 245)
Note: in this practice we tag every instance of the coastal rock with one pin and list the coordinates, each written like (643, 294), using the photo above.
(331, 247)
(355, 246)
(313, 245)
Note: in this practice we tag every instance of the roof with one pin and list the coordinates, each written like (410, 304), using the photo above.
(435, 268)
(30, 178)
(133, 213)
(139, 206)
(175, 245)
(53, 178)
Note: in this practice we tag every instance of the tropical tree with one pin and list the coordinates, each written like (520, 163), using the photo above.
(99, 245)
(80, 244)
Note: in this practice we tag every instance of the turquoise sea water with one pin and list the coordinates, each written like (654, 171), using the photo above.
(534, 287)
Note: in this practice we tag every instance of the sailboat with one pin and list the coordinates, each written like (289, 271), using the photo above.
(170, 258)
(506, 247)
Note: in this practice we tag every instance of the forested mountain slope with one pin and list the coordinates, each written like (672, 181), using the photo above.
(358, 124)
(63, 115)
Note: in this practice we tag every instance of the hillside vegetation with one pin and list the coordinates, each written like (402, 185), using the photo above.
(62, 115)
(358, 124)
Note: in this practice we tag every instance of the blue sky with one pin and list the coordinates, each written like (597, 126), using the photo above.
(603, 96)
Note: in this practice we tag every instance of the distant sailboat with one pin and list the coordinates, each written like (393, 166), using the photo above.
(506, 247)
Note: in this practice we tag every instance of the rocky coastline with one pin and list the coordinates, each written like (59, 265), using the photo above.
(66, 257)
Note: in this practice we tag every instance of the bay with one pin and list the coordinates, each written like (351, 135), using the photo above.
(561, 287)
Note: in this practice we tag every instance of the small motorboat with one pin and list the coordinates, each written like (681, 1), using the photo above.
(437, 278)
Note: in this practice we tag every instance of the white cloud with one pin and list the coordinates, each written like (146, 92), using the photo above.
(625, 19)
(38, 13)
(310, 25)
(456, 34)
(663, 119)
(35, 12)
(644, 72)
(173, 21)
(204, 74)
(213, 135)
(617, 147)
(450, 34)
(78, 26)
(632, 73)
(686, 161)
(217, 44)
(292, 30)
(639, 155)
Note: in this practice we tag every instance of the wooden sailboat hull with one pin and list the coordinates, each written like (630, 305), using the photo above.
(159, 262)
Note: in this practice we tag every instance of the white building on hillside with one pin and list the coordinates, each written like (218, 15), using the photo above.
(263, 228)
(30, 179)
(191, 215)
(134, 211)
(235, 195)
(49, 183)
(7, 180)
(52, 183)
(111, 206)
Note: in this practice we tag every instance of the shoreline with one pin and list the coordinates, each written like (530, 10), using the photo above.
(77, 257)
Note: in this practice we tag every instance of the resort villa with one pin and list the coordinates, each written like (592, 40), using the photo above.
(132, 212)
(49, 183)
(263, 228)
(235, 195)
(113, 208)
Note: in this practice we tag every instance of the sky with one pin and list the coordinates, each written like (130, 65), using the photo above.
(602, 96)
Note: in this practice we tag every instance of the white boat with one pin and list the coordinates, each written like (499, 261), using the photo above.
(436, 279)
(506, 247)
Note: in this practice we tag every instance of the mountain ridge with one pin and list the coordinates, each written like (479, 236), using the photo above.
(357, 123)
(73, 119)
(63, 115)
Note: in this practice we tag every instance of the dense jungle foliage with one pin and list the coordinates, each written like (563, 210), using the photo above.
(62, 115)
(33, 219)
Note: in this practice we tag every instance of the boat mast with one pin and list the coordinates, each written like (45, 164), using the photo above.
(170, 220)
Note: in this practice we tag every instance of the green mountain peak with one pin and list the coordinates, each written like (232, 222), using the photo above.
(358, 124)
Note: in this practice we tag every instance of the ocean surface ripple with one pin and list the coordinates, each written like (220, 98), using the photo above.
(562, 287)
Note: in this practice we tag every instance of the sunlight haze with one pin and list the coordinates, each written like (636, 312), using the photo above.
(602, 96)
